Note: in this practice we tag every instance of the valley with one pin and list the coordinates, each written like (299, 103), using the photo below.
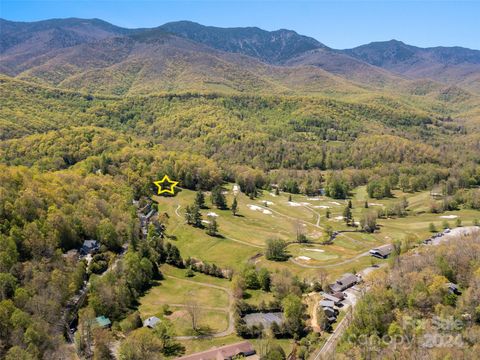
(316, 187)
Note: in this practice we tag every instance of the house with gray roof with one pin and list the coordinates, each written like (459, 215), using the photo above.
(382, 252)
(151, 322)
(345, 282)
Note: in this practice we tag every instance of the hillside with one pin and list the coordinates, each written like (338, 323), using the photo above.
(451, 65)
(21, 43)
(95, 56)
(272, 47)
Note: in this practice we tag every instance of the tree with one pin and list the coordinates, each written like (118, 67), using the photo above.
(275, 352)
(328, 234)
(366, 204)
(322, 321)
(350, 204)
(108, 236)
(293, 310)
(217, 198)
(212, 226)
(103, 340)
(193, 310)
(301, 237)
(17, 353)
(164, 331)
(141, 345)
(264, 279)
(337, 187)
(432, 228)
(251, 278)
(234, 206)
(347, 215)
(276, 250)
(200, 200)
(368, 222)
(84, 334)
(327, 214)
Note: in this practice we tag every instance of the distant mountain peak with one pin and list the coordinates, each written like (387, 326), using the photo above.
(269, 46)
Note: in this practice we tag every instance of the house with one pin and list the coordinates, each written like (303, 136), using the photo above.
(331, 314)
(383, 251)
(227, 352)
(326, 304)
(339, 295)
(151, 322)
(103, 322)
(333, 298)
(453, 288)
(89, 247)
(345, 282)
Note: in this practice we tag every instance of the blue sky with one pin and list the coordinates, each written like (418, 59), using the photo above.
(339, 24)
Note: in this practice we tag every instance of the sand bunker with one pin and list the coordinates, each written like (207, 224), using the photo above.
(304, 258)
(448, 216)
(316, 250)
(335, 203)
(338, 218)
(267, 202)
(212, 214)
(293, 203)
(258, 208)
(313, 199)
(321, 207)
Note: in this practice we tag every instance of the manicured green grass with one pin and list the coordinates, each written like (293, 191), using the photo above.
(175, 291)
(210, 321)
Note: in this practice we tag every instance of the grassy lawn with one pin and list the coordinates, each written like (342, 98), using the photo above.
(174, 291)
(268, 216)
(209, 320)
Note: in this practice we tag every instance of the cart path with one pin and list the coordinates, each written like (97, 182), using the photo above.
(231, 327)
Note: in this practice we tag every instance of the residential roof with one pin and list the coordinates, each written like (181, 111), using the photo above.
(90, 243)
(266, 319)
(327, 303)
(151, 321)
(103, 321)
(339, 295)
(222, 353)
(331, 298)
(346, 281)
(383, 250)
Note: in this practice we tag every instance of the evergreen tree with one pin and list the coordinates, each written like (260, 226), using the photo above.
(366, 204)
(212, 226)
(234, 206)
(218, 199)
(347, 215)
(196, 216)
(350, 204)
(200, 200)
(189, 215)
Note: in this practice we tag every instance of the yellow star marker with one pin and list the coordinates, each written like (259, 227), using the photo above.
(166, 189)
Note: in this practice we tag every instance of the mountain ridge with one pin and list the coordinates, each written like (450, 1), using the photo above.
(45, 51)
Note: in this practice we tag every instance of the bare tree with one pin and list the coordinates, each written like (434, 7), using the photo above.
(193, 310)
